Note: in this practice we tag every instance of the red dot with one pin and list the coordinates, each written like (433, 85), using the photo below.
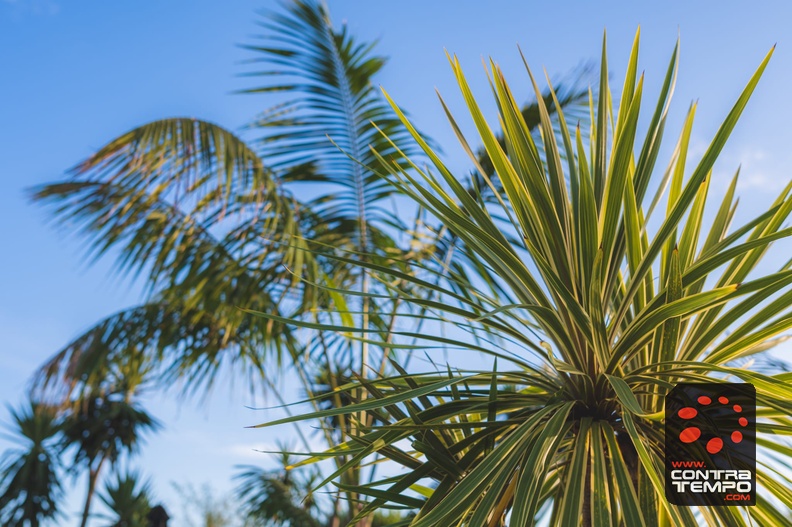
(704, 400)
(736, 436)
(687, 413)
(723, 400)
(737, 408)
(688, 435)
(743, 421)
(714, 445)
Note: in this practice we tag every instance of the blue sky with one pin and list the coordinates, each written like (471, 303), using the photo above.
(75, 74)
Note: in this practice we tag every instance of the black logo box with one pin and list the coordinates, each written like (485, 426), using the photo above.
(710, 444)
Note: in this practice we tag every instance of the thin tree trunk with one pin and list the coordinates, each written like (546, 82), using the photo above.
(93, 476)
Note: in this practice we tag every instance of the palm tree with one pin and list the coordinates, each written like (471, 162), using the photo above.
(204, 508)
(129, 498)
(217, 221)
(30, 487)
(284, 498)
(595, 303)
(279, 498)
(102, 429)
(105, 422)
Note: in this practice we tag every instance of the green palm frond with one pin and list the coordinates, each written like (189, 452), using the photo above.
(332, 115)
(190, 204)
(161, 192)
(160, 342)
(595, 311)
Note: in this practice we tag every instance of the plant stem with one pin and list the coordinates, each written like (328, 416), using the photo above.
(585, 519)
(93, 476)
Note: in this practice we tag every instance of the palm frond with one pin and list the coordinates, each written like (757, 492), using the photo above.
(332, 116)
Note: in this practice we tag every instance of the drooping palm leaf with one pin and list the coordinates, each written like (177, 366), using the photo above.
(192, 205)
(332, 116)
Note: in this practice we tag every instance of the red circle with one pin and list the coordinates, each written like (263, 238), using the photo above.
(743, 421)
(723, 400)
(688, 435)
(737, 408)
(714, 445)
(704, 400)
(687, 413)
(736, 436)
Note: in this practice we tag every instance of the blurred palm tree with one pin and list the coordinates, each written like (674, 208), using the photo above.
(215, 221)
(205, 508)
(106, 423)
(279, 498)
(129, 498)
(102, 429)
(30, 487)
(284, 498)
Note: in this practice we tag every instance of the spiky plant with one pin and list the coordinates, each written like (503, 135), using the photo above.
(601, 301)
(30, 486)
(128, 496)
(278, 498)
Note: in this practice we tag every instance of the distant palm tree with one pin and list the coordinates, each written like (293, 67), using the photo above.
(205, 508)
(217, 221)
(278, 498)
(592, 310)
(284, 498)
(101, 429)
(30, 487)
(129, 498)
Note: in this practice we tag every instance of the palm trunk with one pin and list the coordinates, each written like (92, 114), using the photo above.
(633, 464)
(93, 476)
(585, 519)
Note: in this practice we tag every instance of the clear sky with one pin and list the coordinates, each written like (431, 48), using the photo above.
(74, 74)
